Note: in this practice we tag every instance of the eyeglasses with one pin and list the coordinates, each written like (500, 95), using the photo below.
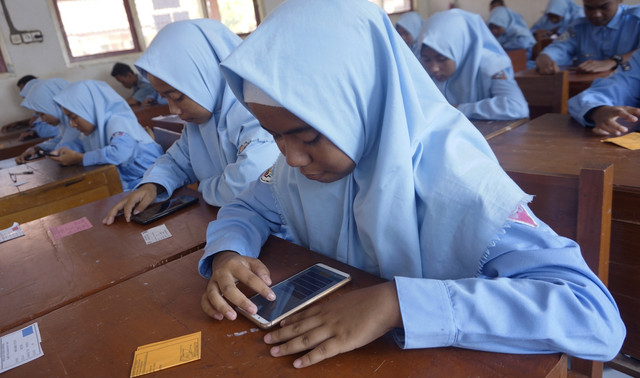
(13, 175)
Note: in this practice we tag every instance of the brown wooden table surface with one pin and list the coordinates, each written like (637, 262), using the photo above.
(52, 188)
(144, 113)
(39, 274)
(577, 81)
(11, 147)
(491, 129)
(555, 143)
(98, 336)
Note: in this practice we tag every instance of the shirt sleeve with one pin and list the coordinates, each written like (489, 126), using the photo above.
(562, 52)
(120, 149)
(619, 89)
(506, 102)
(144, 91)
(535, 294)
(242, 225)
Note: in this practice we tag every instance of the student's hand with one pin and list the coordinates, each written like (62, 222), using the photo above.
(27, 154)
(541, 34)
(27, 135)
(337, 326)
(593, 66)
(133, 204)
(605, 119)
(148, 101)
(546, 65)
(67, 156)
(227, 269)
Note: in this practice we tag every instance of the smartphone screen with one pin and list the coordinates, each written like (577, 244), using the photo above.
(296, 292)
(161, 209)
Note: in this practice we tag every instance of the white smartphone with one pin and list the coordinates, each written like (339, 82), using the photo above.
(295, 293)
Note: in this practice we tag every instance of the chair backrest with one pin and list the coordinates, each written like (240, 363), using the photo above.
(165, 137)
(518, 59)
(144, 113)
(544, 93)
(578, 207)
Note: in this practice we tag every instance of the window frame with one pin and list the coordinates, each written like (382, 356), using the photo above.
(133, 28)
(411, 8)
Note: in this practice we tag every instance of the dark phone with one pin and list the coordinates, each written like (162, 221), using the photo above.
(160, 209)
(51, 154)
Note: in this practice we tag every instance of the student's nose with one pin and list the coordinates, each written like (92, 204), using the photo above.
(173, 109)
(296, 154)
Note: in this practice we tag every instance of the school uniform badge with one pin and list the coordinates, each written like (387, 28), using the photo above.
(267, 176)
(522, 216)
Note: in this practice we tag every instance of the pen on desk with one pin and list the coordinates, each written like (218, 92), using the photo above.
(13, 175)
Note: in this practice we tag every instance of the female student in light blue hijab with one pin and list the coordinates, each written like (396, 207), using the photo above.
(39, 98)
(557, 18)
(110, 132)
(408, 26)
(507, 29)
(222, 145)
(395, 181)
(469, 67)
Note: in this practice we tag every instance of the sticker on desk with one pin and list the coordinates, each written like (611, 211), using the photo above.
(59, 232)
(156, 234)
(12, 232)
(20, 347)
(630, 141)
(165, 354)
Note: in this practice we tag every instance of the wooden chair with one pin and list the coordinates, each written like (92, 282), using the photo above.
(544, 93)
(165, 137)
(518, 59)
(144, 113)
(578, 207)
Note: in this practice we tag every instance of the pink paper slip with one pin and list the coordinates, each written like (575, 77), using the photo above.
(59, 232)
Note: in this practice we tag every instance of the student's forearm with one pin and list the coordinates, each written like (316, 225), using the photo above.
(627, 56)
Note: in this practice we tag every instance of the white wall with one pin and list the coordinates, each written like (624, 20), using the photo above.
(45, 59)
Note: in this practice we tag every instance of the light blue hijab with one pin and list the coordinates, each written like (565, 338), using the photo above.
(464, 38)
(514, 27)
(568, 9)
(39, 98)
(97, 103)
(186, 55)
(427, 196)
(411, 22)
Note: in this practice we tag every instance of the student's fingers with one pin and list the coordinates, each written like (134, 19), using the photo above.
(212, 300)
(144, 202)
(634, 113)
(113, 213)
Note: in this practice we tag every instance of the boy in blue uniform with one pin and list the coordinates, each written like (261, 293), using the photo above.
(601, 41)
(610, 99)
(143, 92)
(380, 172)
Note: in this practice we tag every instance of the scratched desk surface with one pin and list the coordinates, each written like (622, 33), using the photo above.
(98, 335)
(39, 274)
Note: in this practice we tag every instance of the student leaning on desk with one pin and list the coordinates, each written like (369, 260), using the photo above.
(469, 264)
(610, 100)
(222, 146)
(601, 41)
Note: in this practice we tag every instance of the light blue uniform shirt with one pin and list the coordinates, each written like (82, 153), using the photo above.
(516, 35)
(567, 9)
(620, 89)
(588, 42)
(427, 203)
(44, 130)
(143, 90)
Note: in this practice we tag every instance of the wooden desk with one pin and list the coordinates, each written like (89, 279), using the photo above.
(491, 129)
(577, 81)
(16, 127)
(40, 274)
(53, 188)
(11, 147)
(518, 59)
(170, 122)
(555, 143)
(98, 335)
(144, 113)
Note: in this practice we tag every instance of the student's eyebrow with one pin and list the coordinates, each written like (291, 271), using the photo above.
(169, 91)
(297, 130)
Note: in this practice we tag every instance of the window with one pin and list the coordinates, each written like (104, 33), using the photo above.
(96, 28)
(394, 6)
(99, 28)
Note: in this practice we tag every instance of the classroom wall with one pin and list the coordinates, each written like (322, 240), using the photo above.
(48, 60)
